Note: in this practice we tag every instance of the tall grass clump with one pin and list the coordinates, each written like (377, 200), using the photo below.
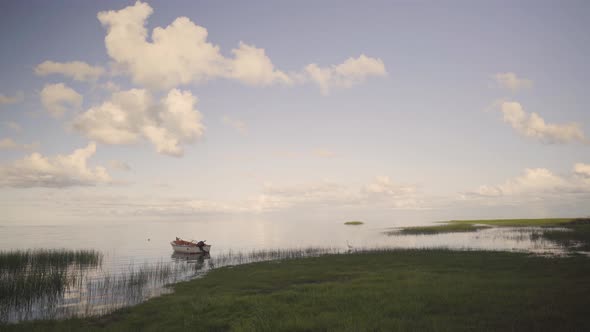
(437, 229)
(238, 258)
(29, 277)
(38, 259)
(49, 284)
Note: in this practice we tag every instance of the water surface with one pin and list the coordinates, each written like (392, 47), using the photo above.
(138, 261)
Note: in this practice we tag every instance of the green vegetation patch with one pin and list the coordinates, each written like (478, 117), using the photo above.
(438, 229)
(577, 238)
(515, 222)
(28, 275)
(457, 226)
(405, 290)
(354, 223)
(40, 259)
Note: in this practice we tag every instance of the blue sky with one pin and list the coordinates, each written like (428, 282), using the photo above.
(423, 110)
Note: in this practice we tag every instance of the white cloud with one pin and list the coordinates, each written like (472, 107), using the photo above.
(10, 144)
(316, 194)
(538, 183)
(317, 152)
(133, 114)
(119, 165)
(534, 180)
(82, 201)
(322, 196)
(13, 126)
(190, 207)
(180, 54)
(17, 98)
(346, 74)
(252, 66)
(384, 185)
(394, 195)
(234, 123)
(382, 193)
(118, 120)
(58, 98)
(79, 71)
(324, 153)
(111, 86)
(60, 171)
(582, 169)
(533, 126)
(510, 81)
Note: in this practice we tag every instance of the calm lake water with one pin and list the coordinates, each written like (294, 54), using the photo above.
(138, 261)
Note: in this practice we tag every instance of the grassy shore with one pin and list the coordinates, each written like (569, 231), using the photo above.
(421, 290)
(455, 226)
(576, 236)
(447, 228)
(516, 222)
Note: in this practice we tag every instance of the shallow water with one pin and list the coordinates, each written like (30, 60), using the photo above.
(517, 239)
(138, 261)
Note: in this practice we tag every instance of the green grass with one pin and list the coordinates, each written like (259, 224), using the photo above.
(516, 222)
(578, 238)
(456, 226)
(405, 290)
(354, 223)
(27, 287)
(438, 229)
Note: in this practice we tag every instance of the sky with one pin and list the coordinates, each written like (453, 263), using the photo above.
(332, 110)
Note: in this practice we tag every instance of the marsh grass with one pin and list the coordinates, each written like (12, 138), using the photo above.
(457, 226)
(409, 290)
(40, 259)
(33, 278)
(438, 229)
(577, 238)
(572, 234)
(111, 292)
(25, 274)
(515, 222)
(66, 285)
(238, 258)
(98, 293)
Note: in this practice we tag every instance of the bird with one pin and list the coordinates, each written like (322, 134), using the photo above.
(349, 246)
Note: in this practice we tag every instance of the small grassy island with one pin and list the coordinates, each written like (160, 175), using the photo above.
(354, 223)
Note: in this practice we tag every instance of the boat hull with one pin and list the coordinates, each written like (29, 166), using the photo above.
(190, 249)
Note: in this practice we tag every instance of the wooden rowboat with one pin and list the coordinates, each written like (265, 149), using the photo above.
(190, 247)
